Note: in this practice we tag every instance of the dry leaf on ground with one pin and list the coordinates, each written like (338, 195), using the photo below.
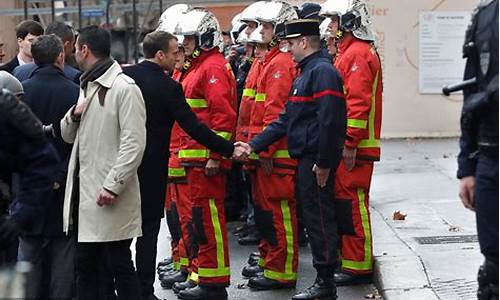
(398, 216)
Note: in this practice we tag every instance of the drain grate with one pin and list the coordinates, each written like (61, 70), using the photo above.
(456, 289)
(446, 239)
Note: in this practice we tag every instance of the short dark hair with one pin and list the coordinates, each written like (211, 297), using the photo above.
(26, 27)
(63, 31)
(156, 41)
(46, 48)
(314, 41)
(97, 39)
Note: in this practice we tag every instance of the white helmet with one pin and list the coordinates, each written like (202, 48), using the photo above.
(170, 17)
(333, 8)
(357, 20)
(256, 37)
(277, 13)
(202, 24)
(251, 12)
(237, 28)
(324, 31)
(242, 38)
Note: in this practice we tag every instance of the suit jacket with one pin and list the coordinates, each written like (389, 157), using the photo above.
(165, 103)
(50, 95)
(10, 66)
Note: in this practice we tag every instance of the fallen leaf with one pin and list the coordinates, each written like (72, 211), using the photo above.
(374, 295)
(454, 229)
(445, 156)
(398, 216)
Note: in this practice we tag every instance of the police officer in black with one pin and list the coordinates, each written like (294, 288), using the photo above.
(478, 158)
(23, 150)
(314, 120)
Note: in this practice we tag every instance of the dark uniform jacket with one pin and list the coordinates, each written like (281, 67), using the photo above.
(314, 118)
(50, 94)
(165, 103)
(10, 66)
(479, 121)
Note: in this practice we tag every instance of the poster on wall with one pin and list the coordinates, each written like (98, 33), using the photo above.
(441, 37)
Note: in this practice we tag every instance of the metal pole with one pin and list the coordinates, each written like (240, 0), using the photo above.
(108, 3)
(161, 6)
(79, 14)
(136, 48)
(53, 7)
(26, 9)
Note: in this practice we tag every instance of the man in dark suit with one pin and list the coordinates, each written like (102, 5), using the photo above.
(65, 32)
(50, 95)
(165, 103)
(26, 32)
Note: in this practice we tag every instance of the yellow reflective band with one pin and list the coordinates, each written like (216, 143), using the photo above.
(249, 93)
(197, 103)
(279, 276)
(287, 223)
(194, 277)
(357, 123)
(228, 66)
(176, 172)
(371, 142)
(194, 153)
(184, 261)
(281, 154)
(260, 97)
(367, 264)
(219, 272)
(225, 135)
(177, 265)
(253, 155)
(221, 269)
(261, 262)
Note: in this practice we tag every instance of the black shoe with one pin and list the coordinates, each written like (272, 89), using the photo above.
(178, 276)
(253, 258)
(343, 278)
(253, 238)
(166, 261)
(165, 268)
(252, 271)
(203, 293)
(180, 286)
(262, 283)
(321, 289)
(164, 275)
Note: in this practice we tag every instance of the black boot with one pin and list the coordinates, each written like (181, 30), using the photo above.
(253, 258)
(180, 286)
(262, 283)
(178, 276)
(321, 289)
(165, 268)
(252, 238)
(252, 271)
(203, 293)
(344, 278)
(166, 261)
(166, 274)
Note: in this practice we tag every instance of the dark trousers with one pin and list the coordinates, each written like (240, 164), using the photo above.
(88, 259)
(486, 195)
(145, 256)
(319, 217)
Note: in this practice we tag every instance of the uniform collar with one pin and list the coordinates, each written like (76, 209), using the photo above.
(345, 42)
(309, 58)
(271, 54)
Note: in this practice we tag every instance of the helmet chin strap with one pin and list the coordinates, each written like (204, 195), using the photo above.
(273, 43)
(339, 34)
(188, 62)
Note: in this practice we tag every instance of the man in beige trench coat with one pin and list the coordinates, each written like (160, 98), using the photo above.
(102, 199)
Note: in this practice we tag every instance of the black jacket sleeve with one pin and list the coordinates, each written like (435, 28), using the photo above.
(331, 115)
(197, 130)
(271, 134)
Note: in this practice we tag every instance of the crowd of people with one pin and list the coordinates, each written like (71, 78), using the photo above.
(281, 114)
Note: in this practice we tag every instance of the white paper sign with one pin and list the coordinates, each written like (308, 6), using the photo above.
(442, 35)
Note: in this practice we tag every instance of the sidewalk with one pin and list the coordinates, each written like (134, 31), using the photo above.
(433, 253)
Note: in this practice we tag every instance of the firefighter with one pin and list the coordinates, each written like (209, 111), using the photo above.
(210, 90)
(359, 64)
(275, 208)
(315, 122)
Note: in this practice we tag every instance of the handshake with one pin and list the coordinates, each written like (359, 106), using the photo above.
(241, 151)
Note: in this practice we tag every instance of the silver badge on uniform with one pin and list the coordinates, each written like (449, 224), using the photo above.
(484, 59)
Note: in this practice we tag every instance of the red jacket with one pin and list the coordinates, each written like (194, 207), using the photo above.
(273, 88)
(359, 65)
(175, 170)
(210, 90)
(247, 101)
